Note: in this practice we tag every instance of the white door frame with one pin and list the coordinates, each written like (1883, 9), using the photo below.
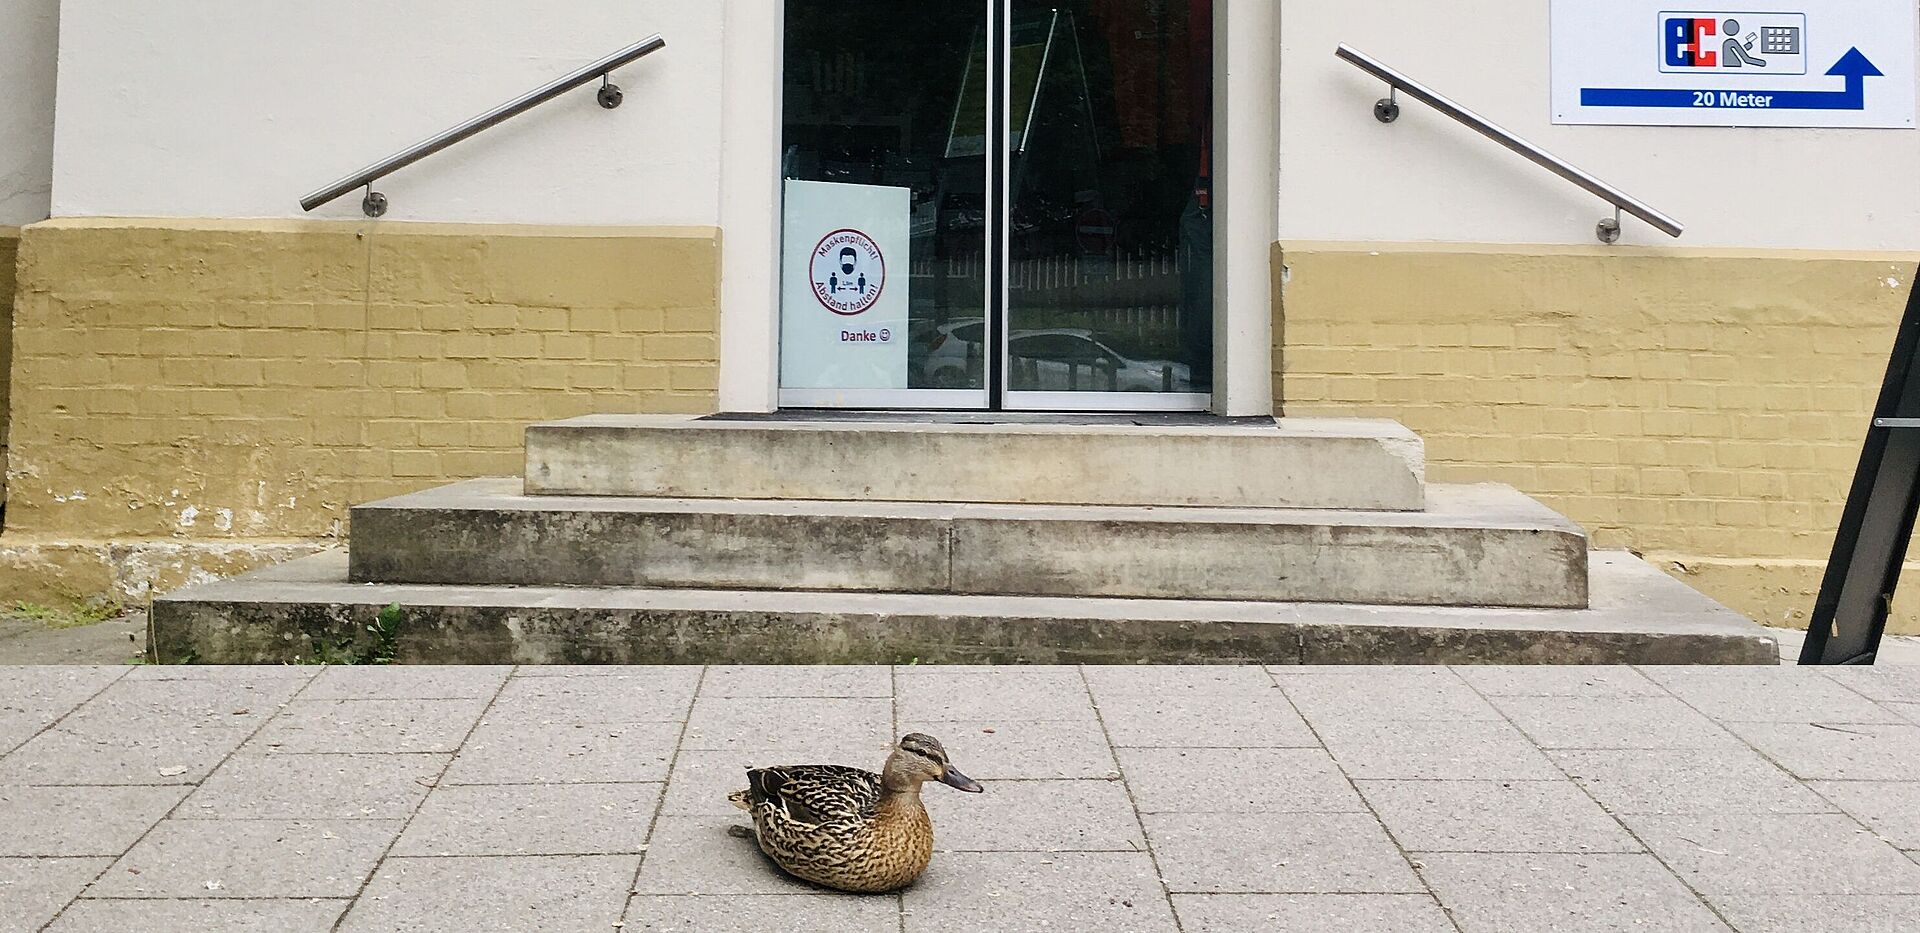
(1246, 196)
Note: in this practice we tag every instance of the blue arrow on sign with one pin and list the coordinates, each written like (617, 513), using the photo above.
(1853, 66)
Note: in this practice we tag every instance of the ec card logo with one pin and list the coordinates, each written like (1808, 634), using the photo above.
(1733, 43)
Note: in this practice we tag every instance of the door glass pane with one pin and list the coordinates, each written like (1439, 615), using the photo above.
(886, 205)
(1109, 230)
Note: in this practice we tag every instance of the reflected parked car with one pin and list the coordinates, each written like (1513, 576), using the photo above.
(1058, 359)
(1076, 359)
(955, 352)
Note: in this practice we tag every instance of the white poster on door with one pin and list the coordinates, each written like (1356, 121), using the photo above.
(843, 286)
(1785, 63)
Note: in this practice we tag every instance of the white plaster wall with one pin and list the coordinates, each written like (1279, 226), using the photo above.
(29, 41)
(1344, 176)
(236, 108)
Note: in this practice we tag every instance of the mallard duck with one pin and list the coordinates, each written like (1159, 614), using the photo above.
(846, 828)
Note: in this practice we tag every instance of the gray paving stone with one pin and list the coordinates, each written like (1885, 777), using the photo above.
(991, 892)
(650, 695)
(249, 858)
(695, 855)
(1109, 680)
(991, 750)
(1267, 853)
(1854, 752)
(277, 825)
(91, 915)
(1890, 808)
(1462, 750)
(1887, 683)
(1035, 816)
(33, 698)
(1612, 722)
(565, 753)
(66, 685)
(1685, 780)
(1767, 694)
(252, 786)
(32, 890)
(1558, 680)
(1310, 913)
(170, 704)
(1494, 816)
(1389, 694)
(1907, 711)
(461, 895)
(225, 673)
(146, 732)
(99, 753)
(551, 819)
(21, 721)
(687, 674)
(407, 682)
(1603, 893)
(1751, 854)
(819, 726)
(1197, 719)
(1069, 671)
(757, 913)
(1400, 673)
(798, 680)
(70, 821)
(1821, 913)
(1235, 780)
(993, 693)
(377, 726)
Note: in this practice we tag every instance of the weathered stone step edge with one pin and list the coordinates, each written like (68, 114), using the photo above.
(1476, 546)
(1301, 463)
(1641, 617)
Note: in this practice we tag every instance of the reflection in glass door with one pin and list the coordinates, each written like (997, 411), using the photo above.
(1044, 169)
(1109, 230)
(887, 214)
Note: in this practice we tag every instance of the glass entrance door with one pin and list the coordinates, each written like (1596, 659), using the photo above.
(997, 204)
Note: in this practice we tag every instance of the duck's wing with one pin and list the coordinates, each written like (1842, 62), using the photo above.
(814, 794)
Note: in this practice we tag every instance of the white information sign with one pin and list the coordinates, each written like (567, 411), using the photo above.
(1745, 63)
(843, 286)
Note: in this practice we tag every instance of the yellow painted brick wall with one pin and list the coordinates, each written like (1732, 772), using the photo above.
(234, 380)
(1702, 407)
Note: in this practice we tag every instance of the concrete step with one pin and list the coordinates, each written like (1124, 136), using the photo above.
(1473, 546)
(1639, 616)
(1260, 463)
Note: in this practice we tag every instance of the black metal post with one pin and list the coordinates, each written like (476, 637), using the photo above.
(1856, 594)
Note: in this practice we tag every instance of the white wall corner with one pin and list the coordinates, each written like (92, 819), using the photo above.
(1246, 107)
(750, 98)
(29, 42)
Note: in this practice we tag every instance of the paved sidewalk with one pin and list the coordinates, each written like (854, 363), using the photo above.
(1118, 799)
(118, 640)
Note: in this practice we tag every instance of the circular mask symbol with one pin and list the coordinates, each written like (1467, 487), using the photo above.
(848, 272)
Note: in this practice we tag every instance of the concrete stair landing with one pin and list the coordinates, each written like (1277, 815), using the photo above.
(643, 539)
(1289, 463)
(1474, 545)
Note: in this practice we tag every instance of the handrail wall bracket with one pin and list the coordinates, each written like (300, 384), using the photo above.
(1387, 110)
(609, 95)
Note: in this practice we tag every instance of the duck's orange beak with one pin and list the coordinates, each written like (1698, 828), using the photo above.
(954, 779)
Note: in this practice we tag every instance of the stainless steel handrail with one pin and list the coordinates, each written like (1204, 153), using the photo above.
(1387, 109)
(375, 203)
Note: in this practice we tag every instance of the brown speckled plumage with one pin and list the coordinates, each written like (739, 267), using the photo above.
(847, 828)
